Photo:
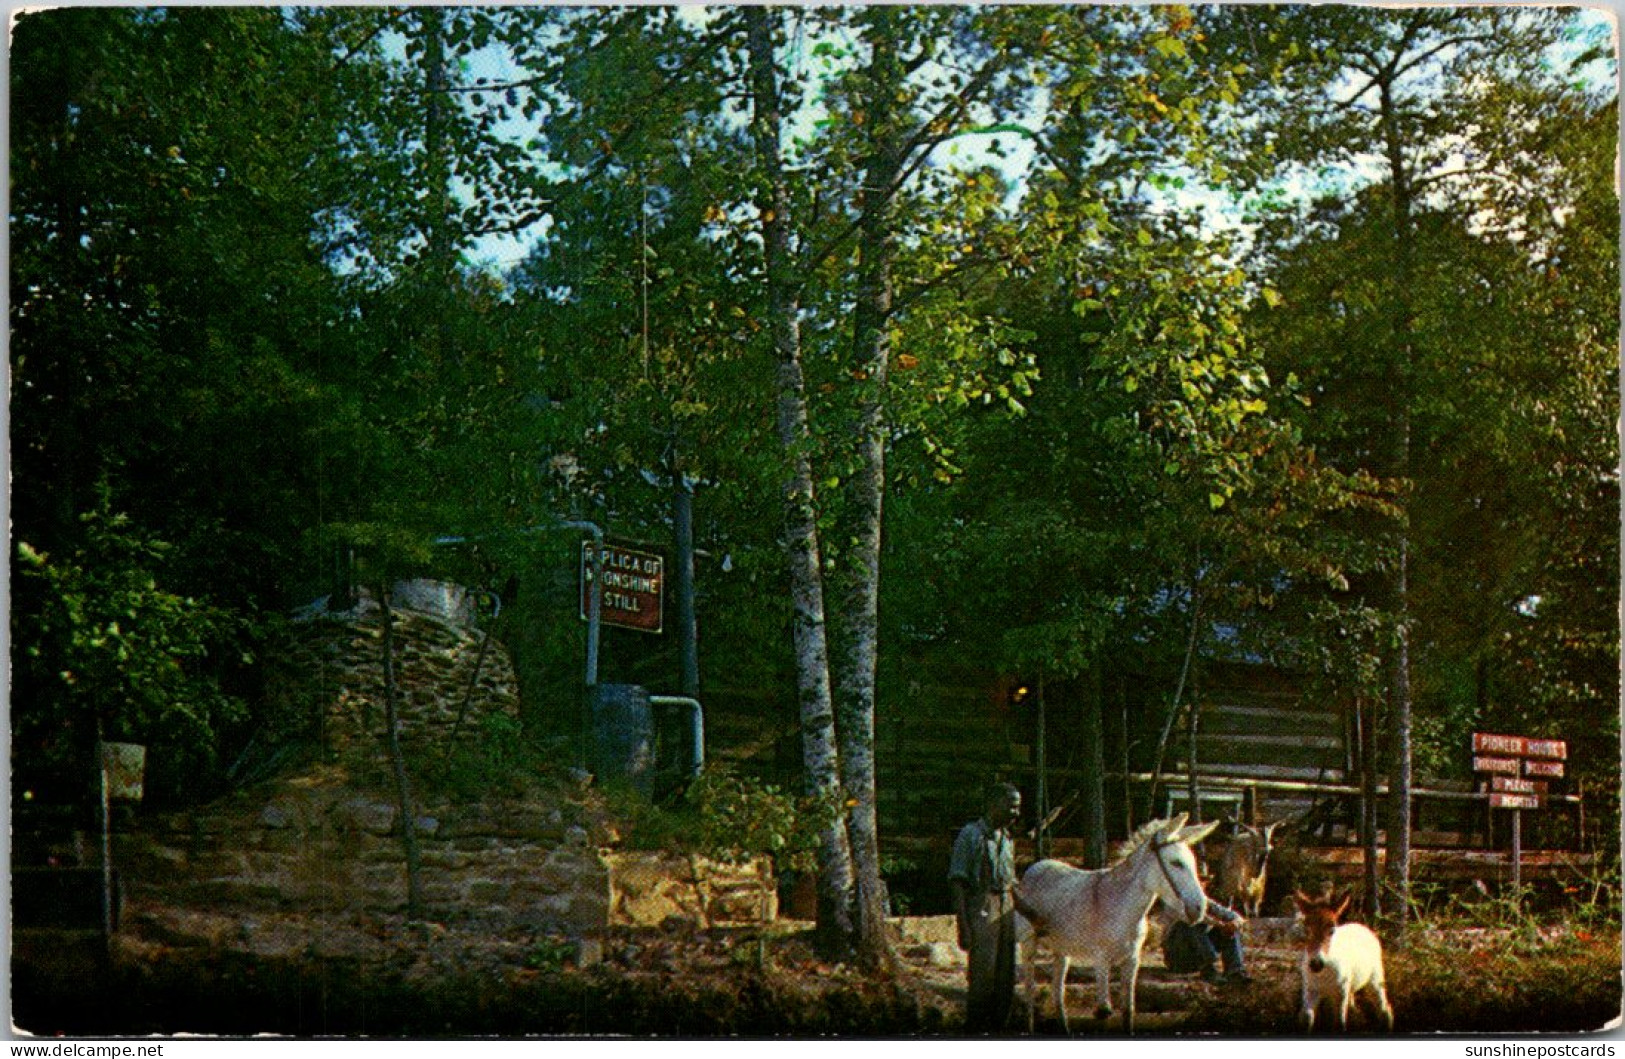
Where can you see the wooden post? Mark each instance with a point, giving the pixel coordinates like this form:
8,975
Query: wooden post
1043,775
1517,852
1128,788
1193,790
107,839
1365,716
1093,790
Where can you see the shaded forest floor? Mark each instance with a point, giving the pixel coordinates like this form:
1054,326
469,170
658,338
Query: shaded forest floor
428,981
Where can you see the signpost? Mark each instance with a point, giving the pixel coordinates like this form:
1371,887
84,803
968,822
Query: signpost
121,774
1509,761
633,589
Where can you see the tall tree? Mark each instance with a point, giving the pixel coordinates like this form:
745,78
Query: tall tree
897,121
819,742
1400,90
169,300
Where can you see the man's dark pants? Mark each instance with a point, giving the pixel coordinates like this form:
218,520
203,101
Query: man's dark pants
991,951
1187,949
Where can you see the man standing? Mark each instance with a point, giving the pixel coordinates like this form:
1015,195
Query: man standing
982,874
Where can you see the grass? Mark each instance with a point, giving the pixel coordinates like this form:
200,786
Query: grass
1475,961
1463,980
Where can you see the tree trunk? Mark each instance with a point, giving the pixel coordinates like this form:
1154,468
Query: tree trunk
820,756
1397,882
688,638
1193,791
1179,693
397,761
1094,771
856,632
440,246
1365,716
1041,769
1124,751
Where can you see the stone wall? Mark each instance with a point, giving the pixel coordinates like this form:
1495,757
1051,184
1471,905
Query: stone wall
324,842
649,889
336,664
318,843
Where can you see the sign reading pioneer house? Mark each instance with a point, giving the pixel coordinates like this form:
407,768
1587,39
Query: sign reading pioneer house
1510,759
633,589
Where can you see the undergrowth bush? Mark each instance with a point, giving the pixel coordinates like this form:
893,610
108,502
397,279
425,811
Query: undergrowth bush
1587,899
725,816
1562,978
1544,960
499,760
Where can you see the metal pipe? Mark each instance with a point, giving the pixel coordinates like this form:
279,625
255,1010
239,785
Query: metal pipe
687,634
595,597
696,728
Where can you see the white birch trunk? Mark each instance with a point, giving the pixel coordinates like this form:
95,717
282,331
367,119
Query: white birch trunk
820,756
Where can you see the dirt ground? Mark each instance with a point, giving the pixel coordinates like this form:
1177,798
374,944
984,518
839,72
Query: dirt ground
176,971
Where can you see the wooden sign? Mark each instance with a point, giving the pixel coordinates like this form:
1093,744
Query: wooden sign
1510,760
1498,744
633,590
1515,785
1510,790
1546,748
125,767
1520,746
1516,801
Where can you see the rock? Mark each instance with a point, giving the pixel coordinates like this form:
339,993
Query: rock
945,955
275,817
589,952
741,906
588,910
926,929
359,814
487,891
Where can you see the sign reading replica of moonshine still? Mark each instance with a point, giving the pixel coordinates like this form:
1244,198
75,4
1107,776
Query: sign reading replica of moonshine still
634,587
